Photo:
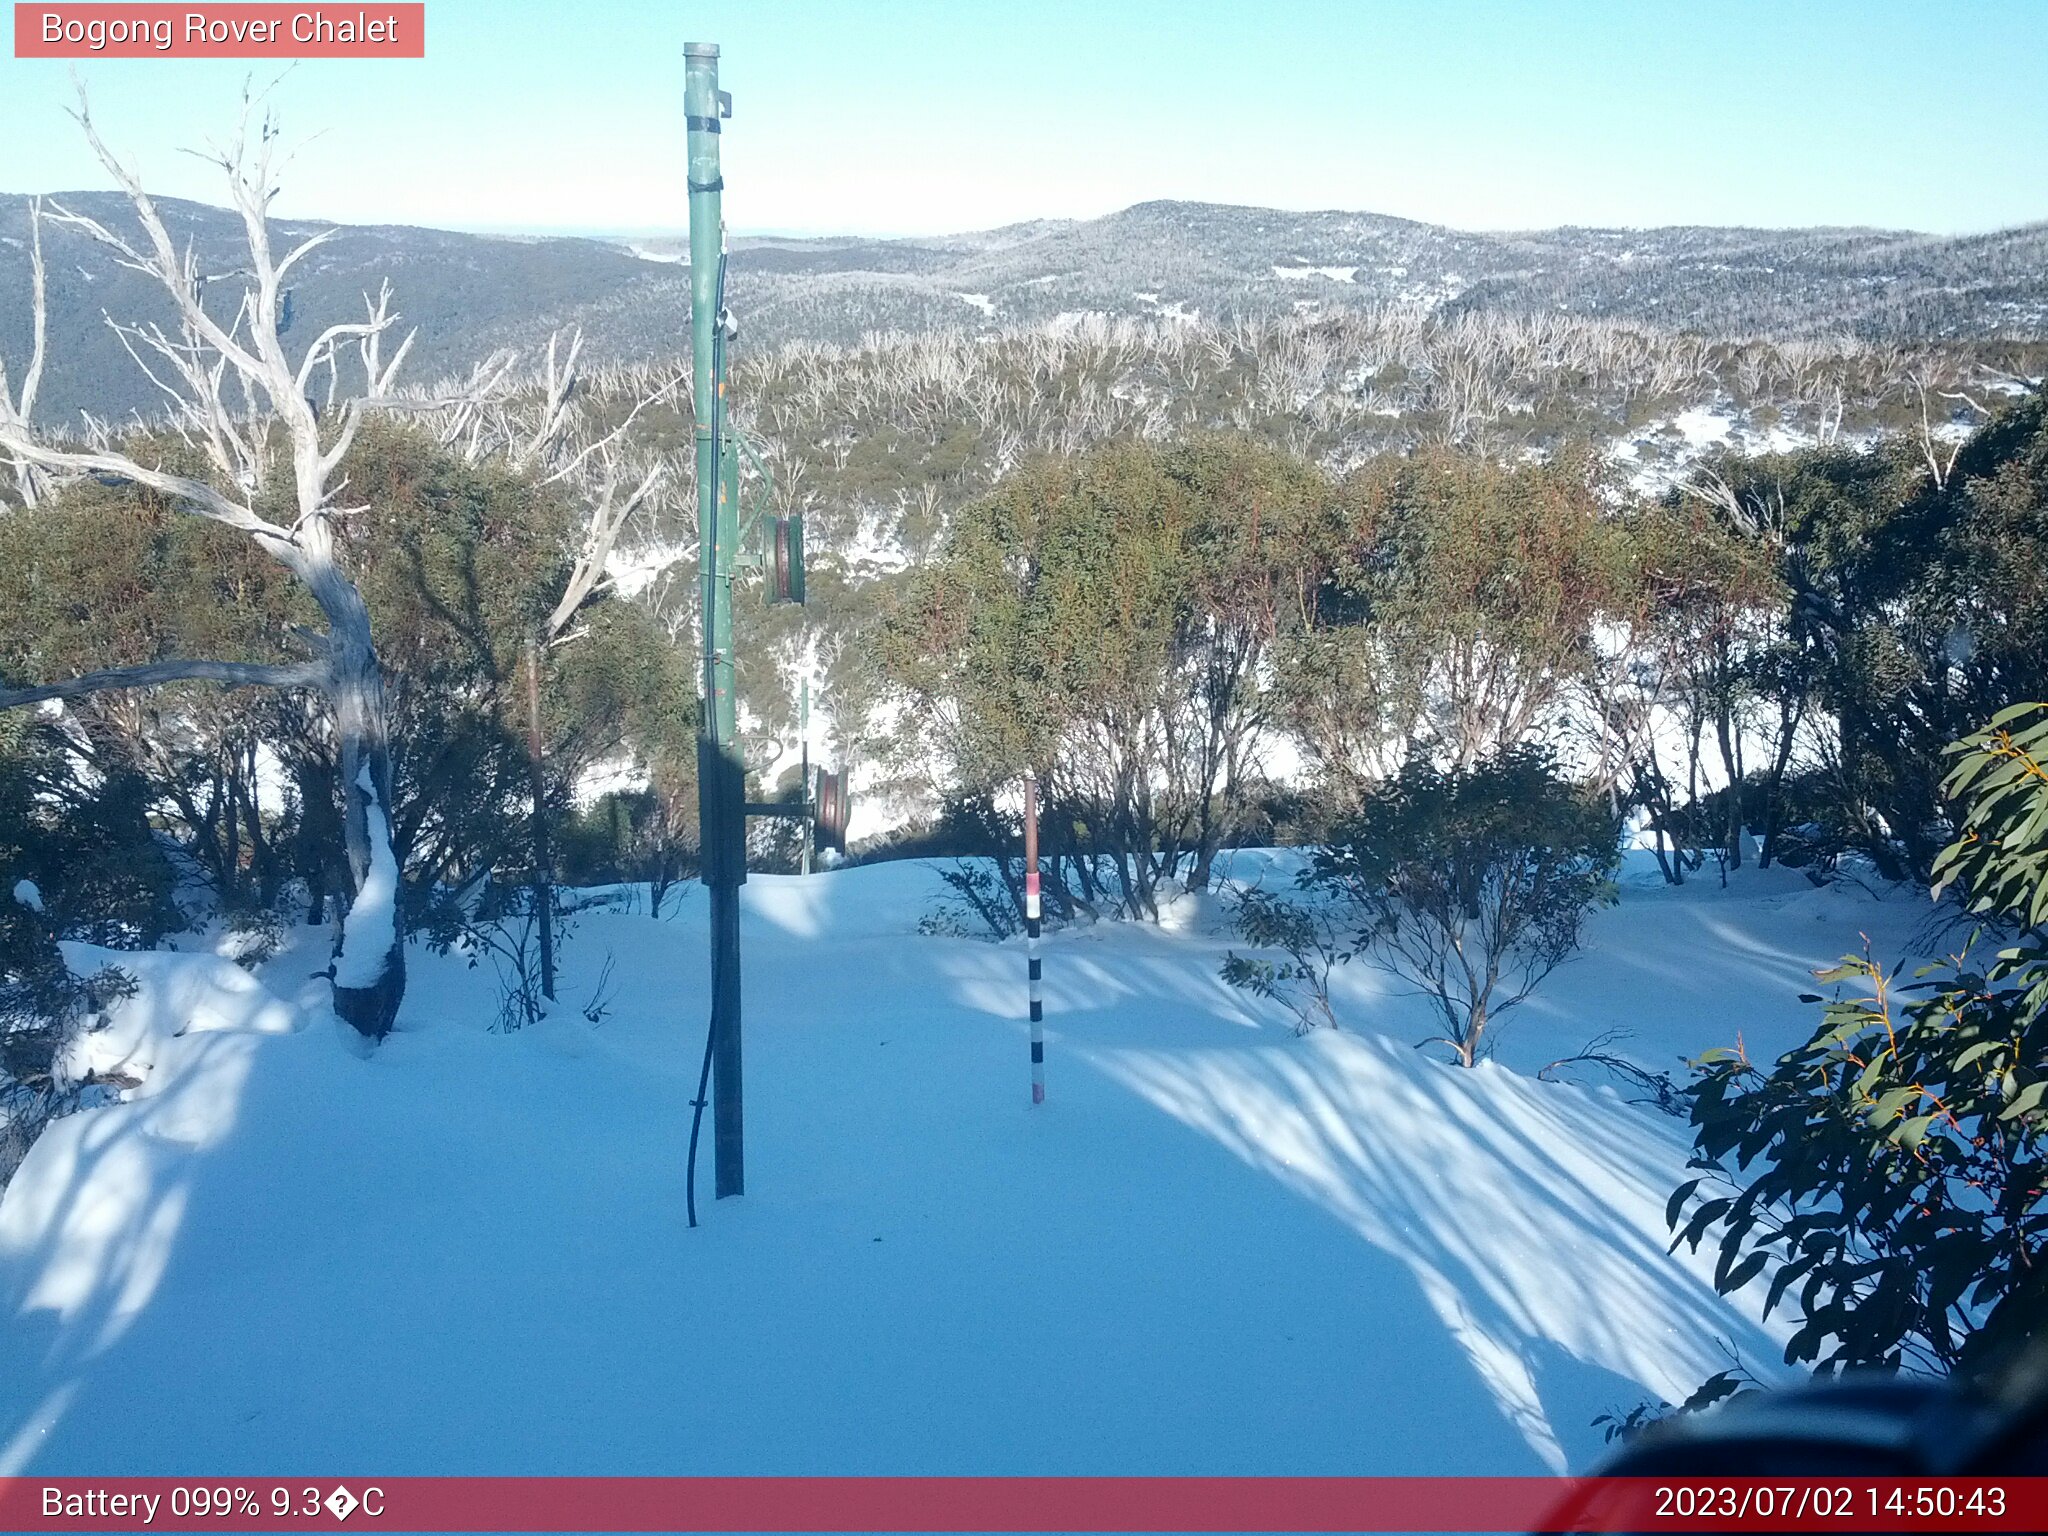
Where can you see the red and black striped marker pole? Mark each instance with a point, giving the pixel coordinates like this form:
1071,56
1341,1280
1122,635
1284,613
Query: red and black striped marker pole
1031,918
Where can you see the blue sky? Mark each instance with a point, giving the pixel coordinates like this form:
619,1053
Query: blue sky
920,116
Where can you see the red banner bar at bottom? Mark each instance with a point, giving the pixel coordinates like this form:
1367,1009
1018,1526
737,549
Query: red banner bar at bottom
1529,1504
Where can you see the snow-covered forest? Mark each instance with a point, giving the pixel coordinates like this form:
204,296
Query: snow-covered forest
1497,775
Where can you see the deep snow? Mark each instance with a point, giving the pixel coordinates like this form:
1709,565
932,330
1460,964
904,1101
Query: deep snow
1219,1248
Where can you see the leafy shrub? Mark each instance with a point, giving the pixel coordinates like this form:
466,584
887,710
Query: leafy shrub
497,921
1895,1166
980,907
1309,934
1618,1424
77,861
36,1023
252,935
1473,885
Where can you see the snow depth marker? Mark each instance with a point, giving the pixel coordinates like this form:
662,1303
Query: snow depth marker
1031,938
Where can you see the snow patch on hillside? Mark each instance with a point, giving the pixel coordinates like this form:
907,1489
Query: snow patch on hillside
1704,426
875,548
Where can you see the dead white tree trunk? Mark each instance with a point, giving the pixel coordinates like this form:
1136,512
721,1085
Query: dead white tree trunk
16,409
196,366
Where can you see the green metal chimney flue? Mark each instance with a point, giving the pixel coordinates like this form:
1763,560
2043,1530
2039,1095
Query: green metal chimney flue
721,773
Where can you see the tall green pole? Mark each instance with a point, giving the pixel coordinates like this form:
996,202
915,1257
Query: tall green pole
721,776
703,106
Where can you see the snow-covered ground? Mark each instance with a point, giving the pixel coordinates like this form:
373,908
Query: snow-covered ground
1219,1248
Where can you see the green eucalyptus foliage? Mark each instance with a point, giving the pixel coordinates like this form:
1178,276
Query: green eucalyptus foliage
1914,610
1308,936
1472,884
92,872
1892,1172
1104,620
110,576
1453,604
458,564
1999,863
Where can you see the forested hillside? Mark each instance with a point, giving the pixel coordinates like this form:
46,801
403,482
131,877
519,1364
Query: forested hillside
471,294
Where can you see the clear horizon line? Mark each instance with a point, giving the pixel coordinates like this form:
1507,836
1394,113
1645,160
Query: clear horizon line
790,232
620,232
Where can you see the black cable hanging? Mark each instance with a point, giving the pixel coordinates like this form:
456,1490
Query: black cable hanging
717,422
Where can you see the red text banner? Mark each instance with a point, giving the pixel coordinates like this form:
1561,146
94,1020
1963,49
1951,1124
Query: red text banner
116,31
1023,1504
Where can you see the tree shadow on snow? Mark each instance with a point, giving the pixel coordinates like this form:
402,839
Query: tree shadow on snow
1530,1215
90,1224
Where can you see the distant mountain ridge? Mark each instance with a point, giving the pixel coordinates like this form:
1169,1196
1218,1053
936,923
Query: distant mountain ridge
471,294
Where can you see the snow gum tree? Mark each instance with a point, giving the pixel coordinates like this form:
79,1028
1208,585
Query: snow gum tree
1702,648
268,458
1908,608
457,564
1459,611
1106,620
1309,936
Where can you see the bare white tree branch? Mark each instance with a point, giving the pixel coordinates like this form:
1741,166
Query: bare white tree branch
236,674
